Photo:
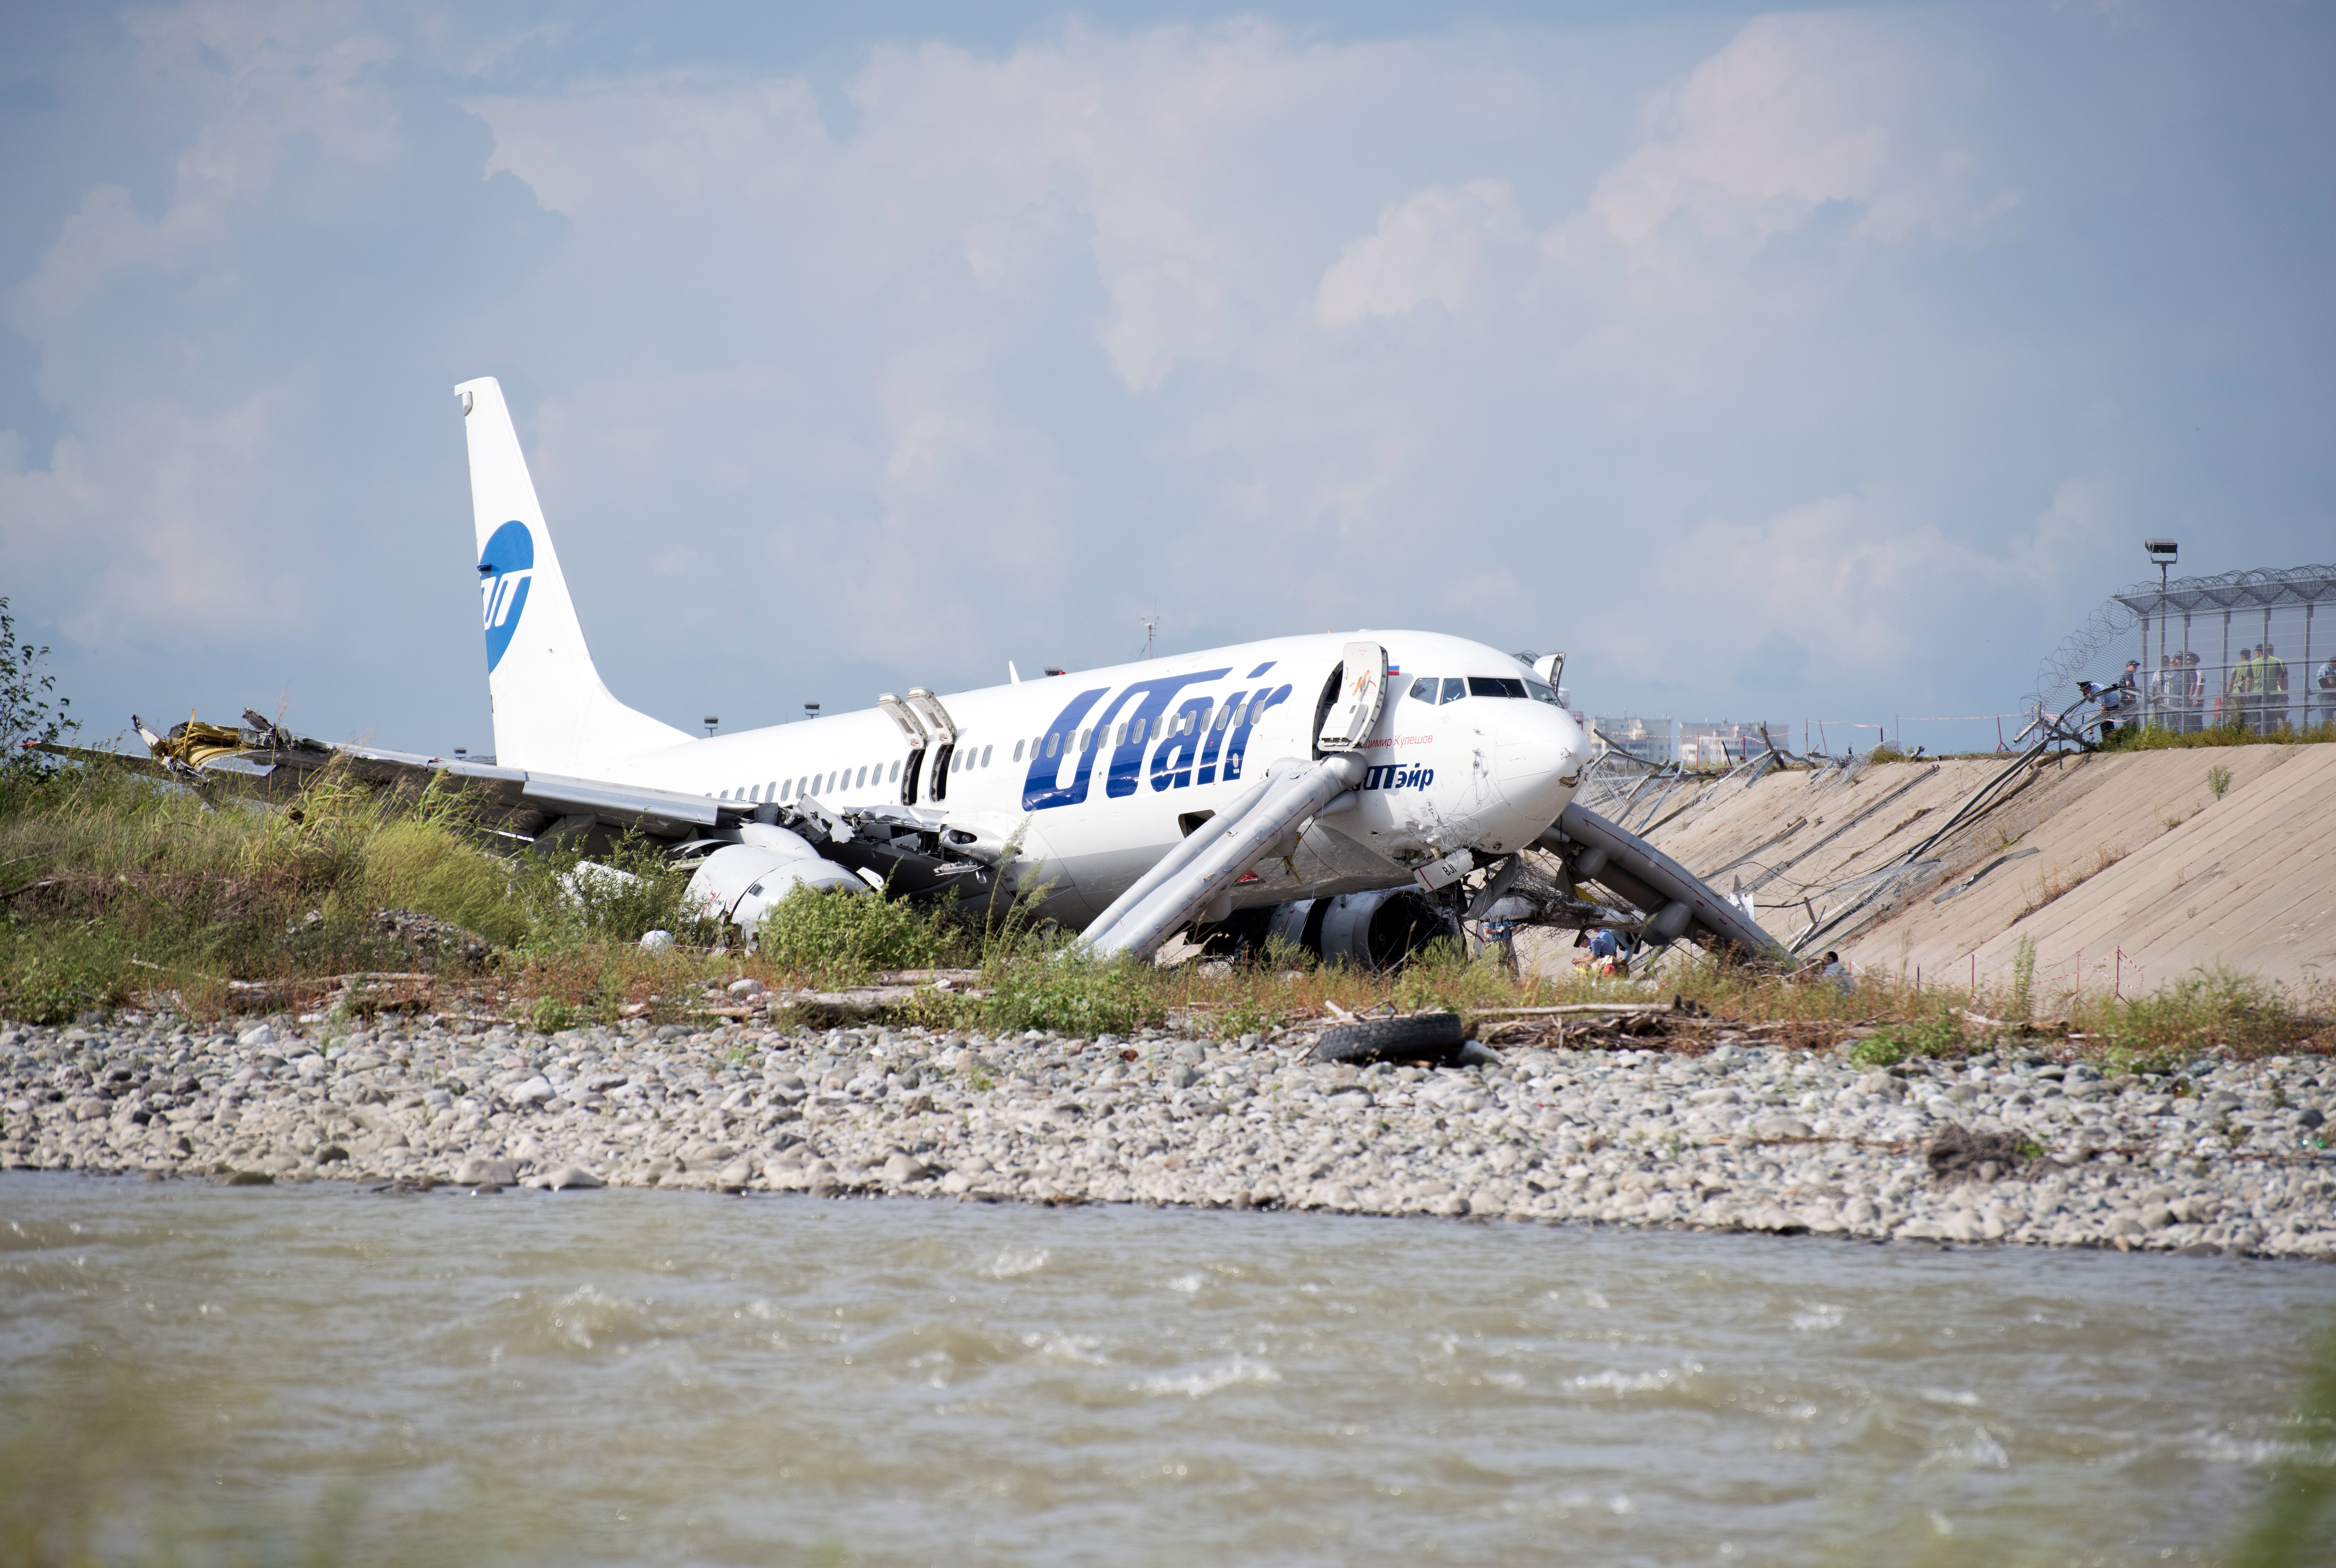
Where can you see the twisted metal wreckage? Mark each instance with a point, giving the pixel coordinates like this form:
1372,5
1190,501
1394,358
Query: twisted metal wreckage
1594,867
1634,793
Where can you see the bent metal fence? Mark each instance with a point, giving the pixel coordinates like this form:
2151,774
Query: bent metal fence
2242,647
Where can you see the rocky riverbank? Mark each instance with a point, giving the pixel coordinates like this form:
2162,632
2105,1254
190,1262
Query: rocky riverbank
2225,1156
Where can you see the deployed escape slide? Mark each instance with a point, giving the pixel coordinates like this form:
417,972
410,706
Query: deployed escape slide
749,856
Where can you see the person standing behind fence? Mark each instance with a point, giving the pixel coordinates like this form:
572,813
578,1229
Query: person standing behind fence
2271,686
2165,693
2239,691
2181,685
2194,690
2325,678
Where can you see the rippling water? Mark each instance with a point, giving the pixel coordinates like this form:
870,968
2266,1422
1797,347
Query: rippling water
637,1377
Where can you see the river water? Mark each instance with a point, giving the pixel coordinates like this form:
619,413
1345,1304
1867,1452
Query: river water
305,1373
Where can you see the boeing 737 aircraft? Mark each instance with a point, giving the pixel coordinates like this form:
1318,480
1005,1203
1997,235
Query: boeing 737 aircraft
1373,755
1356,793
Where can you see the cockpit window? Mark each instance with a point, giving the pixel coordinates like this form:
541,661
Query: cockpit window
1455,688
1540,693
1424,690
1495,685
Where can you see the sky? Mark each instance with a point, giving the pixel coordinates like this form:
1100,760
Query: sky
1824,364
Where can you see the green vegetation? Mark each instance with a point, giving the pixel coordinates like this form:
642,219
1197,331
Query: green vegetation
1076,995
118,884
1937,1036
2021,1002
840,936
29,709
2231,732
114,886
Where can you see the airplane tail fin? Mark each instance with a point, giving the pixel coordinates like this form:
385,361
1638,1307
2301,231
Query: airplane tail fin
551,710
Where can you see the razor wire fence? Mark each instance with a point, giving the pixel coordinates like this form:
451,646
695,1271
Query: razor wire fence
2242,647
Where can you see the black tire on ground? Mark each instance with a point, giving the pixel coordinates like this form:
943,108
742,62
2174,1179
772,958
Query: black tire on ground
1421,1038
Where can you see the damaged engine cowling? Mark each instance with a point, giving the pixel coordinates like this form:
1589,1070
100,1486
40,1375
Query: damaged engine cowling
740,882
748,868
1374,931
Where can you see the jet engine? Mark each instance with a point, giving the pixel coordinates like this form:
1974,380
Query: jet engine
1377,930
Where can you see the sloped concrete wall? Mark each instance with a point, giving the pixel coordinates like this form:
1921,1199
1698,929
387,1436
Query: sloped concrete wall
2140,876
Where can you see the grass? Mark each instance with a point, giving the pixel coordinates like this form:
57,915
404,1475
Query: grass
127,891
2229,733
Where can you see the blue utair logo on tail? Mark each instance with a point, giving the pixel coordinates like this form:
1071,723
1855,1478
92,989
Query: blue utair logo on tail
505,569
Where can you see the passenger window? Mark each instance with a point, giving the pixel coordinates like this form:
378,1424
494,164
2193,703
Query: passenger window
984,756
1455,689
894,775
1054,741
1423,689
1017,751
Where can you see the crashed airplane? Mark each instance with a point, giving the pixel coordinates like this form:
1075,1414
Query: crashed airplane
1359,795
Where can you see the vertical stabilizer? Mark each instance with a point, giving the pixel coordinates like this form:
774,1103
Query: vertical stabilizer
551,711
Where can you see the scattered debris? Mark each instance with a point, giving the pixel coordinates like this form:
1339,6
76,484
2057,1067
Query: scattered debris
1434,1038
1956,1153
434,944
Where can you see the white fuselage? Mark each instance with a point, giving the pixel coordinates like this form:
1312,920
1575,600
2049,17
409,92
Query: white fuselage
1101,771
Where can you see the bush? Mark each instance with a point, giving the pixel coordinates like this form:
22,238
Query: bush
56,987
841,935
2219,1007
1934,1036
619,896
1442,976
1075,995
27,713
424,866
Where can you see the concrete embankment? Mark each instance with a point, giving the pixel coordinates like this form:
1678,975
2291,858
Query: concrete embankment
2225,1157
2127,871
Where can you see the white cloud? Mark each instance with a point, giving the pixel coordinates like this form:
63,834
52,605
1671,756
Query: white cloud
1433,245
158,522
1861,582
1795,114
1459,331
273,80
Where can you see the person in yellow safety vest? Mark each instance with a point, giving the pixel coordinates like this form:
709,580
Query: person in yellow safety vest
2270,688
2240,691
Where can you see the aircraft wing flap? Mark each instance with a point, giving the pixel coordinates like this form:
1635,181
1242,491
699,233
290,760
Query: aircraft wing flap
621,803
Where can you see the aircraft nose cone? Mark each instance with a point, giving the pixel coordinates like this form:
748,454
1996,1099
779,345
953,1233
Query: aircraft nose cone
1537,756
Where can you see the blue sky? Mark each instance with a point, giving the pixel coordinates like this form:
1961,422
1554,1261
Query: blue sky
1818,364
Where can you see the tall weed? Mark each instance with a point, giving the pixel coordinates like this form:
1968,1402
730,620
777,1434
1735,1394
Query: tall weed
838,936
